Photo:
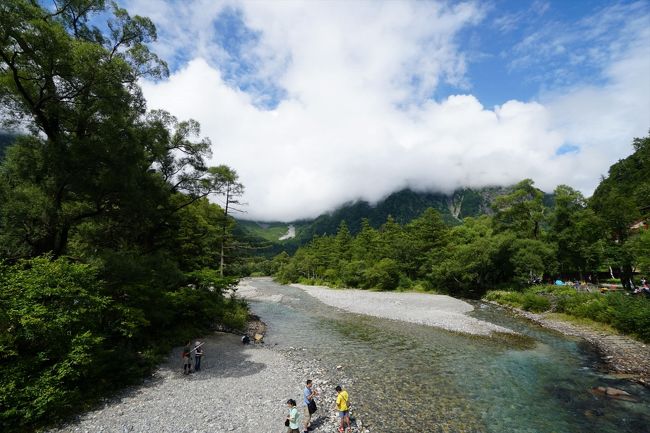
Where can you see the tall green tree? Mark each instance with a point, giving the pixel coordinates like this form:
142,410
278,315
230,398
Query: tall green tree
76,89
521,211
230,189
578,233
621,200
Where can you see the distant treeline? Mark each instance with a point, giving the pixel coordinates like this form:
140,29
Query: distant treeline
108,244
522,242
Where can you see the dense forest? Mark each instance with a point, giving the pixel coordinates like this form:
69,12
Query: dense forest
523,240
110,252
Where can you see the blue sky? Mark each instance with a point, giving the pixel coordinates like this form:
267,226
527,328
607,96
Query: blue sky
338,100
500,64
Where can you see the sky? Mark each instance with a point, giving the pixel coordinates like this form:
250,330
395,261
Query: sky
319,103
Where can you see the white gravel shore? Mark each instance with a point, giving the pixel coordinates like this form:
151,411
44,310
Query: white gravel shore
433,310
239,389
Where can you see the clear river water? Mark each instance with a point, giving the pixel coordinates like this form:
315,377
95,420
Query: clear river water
415,378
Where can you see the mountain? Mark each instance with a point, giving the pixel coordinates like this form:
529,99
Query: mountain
403,206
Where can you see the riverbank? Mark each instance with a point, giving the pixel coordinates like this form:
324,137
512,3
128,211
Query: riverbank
240,388
622,356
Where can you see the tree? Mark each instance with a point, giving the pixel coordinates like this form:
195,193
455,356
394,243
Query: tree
226,179
521,211
620,200
475,259
93,154
77,91
426,236
577,232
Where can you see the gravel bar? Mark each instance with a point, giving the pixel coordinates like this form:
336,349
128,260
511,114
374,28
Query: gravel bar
426,309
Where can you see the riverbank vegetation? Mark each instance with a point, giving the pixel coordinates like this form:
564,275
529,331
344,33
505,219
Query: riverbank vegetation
109,247
624,312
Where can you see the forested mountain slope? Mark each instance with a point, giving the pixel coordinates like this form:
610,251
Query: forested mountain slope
403,206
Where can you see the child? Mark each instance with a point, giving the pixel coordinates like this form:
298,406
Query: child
187,359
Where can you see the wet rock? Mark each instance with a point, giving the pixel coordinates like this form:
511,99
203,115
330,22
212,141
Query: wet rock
614,393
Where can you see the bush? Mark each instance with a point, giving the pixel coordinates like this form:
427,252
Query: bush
383,275
512,299
630,315
535,303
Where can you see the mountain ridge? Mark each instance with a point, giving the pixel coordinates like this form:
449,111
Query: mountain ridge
403,206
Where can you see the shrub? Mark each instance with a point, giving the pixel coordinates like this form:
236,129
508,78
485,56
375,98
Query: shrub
535,303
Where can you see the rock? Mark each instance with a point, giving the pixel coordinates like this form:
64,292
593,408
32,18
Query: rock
338,367
615,392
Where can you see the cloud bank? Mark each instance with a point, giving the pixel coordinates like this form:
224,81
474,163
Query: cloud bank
319,103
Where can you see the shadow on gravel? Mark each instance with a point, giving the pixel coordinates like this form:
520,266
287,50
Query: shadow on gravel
225,356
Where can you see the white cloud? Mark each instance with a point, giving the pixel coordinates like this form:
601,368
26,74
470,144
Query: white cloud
356,124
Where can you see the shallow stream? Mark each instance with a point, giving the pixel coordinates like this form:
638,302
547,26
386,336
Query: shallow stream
414,378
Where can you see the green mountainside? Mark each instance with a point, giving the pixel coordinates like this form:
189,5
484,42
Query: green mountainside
403,206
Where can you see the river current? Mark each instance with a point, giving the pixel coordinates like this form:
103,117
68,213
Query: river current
415,378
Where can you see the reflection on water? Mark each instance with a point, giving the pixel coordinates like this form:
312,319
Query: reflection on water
414,378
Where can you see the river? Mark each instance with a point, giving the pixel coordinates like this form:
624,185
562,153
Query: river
414,378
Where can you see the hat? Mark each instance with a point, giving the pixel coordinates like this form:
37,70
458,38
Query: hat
197,343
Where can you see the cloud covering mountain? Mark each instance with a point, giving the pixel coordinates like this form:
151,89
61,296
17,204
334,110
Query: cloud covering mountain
319,103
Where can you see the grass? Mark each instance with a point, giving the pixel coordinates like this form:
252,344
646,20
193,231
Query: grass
582,321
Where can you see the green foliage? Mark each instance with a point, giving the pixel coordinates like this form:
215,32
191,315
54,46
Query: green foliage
627,313
120,190
531,258
639,247
535,303
54,326
383,275
269,231
521,211
620,200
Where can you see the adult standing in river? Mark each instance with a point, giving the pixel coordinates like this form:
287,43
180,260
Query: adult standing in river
343,407
310,405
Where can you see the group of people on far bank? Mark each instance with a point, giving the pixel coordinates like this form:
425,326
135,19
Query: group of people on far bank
293,421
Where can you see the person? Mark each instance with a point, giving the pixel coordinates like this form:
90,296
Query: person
198,354
245,339
292,417
343,407
308,395
186,354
